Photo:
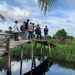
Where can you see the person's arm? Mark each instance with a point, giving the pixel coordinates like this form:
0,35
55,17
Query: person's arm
18,29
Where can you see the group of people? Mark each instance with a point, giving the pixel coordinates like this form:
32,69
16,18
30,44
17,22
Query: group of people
29,29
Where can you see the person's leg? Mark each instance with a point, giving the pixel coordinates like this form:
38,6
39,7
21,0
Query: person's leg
40,36
14,36
29,35
44,37
37,36
17,36
26,35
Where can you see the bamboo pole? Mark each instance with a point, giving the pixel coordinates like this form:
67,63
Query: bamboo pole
33,66
9,57
21,60
49,48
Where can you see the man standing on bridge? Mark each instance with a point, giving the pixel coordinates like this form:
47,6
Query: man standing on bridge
16,31
45,32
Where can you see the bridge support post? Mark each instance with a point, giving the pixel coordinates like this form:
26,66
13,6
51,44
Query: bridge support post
21,60
9,56
49,48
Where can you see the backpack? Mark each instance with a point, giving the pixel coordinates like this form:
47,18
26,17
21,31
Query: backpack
22,28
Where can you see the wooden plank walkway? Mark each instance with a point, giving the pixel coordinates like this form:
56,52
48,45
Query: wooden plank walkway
12,45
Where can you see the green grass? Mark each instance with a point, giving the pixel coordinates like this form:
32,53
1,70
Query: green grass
61,52
3,62
64,52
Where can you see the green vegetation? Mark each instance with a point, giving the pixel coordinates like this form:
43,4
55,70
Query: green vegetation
3,62
62,34
65,52
62,52
46,4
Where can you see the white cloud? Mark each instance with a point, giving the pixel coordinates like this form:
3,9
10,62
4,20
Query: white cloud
14,13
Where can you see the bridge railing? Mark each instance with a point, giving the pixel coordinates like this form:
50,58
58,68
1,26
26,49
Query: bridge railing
4,41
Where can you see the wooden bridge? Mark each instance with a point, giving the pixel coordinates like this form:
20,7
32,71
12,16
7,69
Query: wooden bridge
7,45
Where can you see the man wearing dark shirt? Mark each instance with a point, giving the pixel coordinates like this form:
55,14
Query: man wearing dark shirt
26,29
45,32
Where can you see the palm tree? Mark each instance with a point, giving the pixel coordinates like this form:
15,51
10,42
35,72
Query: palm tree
46,4
2,17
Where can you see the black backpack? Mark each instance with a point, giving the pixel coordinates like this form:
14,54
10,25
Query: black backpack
22,28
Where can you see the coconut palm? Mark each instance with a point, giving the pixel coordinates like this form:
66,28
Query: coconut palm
46,4
2,17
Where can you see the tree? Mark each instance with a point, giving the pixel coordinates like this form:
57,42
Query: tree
2,17
46,4
10,28
61,34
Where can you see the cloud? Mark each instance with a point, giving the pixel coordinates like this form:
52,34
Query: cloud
14,13
71,3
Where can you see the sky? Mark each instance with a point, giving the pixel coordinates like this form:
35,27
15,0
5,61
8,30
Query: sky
62,15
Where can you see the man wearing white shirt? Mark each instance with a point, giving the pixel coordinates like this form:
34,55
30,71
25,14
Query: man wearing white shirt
30,31
16,31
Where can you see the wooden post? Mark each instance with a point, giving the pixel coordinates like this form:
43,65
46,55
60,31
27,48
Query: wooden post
31,57
33,66
9,56
21,59
41,48
49,48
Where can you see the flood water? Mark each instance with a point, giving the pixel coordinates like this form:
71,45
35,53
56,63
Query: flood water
54,69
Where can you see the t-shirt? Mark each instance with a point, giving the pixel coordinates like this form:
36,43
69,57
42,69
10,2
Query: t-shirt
38,30
16,28
30,27
26,25
46,31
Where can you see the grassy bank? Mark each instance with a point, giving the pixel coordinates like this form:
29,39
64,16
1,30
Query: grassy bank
62,52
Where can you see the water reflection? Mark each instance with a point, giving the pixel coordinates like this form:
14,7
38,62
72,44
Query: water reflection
55,69
15,67
58,70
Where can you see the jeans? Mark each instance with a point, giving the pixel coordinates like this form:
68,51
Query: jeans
30,35
16,36
38,35
45,36
26,35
